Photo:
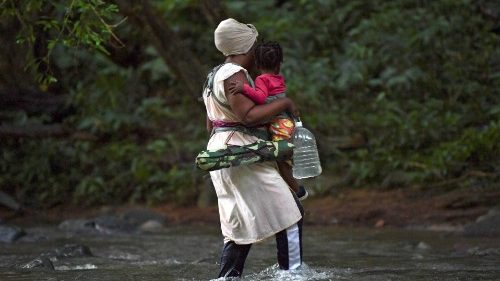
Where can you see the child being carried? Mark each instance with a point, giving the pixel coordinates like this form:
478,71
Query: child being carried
270,85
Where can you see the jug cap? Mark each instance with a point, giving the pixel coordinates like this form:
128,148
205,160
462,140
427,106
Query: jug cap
298,123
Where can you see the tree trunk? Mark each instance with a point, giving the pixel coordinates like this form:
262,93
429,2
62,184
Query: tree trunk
182,61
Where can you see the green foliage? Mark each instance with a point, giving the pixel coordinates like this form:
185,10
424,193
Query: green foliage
75,24
50,172
473,146
419,79
410,75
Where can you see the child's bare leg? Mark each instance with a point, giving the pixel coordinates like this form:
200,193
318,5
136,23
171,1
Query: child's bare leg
286,172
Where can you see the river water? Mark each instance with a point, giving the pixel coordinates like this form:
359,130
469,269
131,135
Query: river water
192,253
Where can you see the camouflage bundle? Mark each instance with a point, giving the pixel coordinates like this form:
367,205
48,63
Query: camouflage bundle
234,155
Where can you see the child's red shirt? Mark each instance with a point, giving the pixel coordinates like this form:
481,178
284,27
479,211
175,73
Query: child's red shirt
265,85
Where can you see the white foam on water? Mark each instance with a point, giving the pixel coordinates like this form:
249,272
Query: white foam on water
124,256
76,267
158,262
274,273
303,273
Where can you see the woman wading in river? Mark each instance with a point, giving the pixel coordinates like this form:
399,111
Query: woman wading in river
254,201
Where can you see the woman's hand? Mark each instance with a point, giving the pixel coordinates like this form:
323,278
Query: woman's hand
235,87
292,108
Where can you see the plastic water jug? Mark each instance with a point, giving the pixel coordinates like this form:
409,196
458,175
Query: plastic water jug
305,154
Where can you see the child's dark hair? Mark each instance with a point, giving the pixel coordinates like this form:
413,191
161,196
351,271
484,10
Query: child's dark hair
268,55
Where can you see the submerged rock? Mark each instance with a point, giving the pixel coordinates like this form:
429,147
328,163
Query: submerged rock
9,234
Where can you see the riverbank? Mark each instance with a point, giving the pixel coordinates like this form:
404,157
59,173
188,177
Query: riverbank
408,207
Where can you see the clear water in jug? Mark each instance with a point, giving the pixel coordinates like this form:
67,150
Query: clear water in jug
305,154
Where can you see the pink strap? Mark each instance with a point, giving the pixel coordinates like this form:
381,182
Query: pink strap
220,124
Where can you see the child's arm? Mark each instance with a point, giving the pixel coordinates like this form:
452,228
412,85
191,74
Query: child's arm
257,95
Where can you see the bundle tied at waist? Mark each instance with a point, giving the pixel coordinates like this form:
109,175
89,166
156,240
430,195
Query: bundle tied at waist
236,155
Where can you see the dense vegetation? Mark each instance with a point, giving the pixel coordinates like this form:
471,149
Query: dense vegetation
99,99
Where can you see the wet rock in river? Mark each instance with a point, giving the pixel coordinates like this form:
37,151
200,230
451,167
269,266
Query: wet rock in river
108,224
113,224
70,251
45,260
477,251
151,226
32,237
140,216
78,226
9,234
487,225
39,262
131,221
415,246
9,202
423,246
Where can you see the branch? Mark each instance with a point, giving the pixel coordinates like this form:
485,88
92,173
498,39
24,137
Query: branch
109,27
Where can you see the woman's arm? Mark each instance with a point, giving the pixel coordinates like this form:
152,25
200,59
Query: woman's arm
247,111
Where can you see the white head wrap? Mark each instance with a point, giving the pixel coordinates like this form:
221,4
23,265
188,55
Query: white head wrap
234,38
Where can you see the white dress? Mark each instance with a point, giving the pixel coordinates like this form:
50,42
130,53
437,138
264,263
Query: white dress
254,201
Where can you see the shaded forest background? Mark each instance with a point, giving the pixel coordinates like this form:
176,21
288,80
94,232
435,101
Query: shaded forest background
99,100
